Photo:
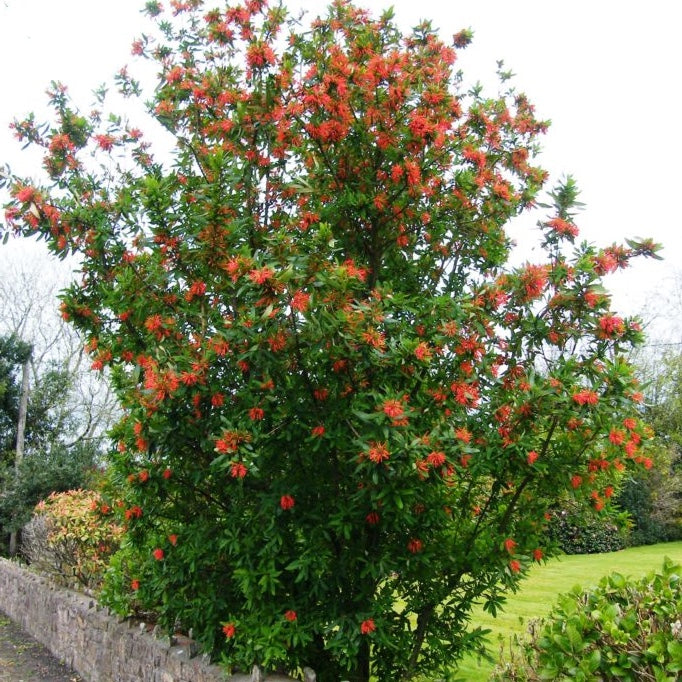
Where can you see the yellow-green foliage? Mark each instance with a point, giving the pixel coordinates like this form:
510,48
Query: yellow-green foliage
71,537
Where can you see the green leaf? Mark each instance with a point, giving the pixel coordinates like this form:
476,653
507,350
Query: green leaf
594,660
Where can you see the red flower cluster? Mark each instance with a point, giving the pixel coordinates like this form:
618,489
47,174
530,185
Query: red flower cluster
378,452
287,502
585,397
563,227
510,545
415,545
611,326
367,626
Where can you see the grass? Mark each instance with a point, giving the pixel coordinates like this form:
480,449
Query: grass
539,593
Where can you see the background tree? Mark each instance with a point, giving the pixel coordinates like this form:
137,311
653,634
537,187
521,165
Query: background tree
653,498
51,460
69,407
13,354
346,417
30,284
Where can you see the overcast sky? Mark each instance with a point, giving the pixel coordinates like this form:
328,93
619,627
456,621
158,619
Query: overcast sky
606,72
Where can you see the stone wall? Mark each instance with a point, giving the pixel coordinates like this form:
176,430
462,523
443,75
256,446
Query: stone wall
95,643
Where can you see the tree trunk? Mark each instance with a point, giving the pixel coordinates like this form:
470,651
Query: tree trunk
21,428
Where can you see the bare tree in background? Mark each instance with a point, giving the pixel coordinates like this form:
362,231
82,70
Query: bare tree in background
30,283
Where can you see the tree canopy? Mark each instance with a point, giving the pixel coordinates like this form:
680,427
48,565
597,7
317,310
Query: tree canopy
346,415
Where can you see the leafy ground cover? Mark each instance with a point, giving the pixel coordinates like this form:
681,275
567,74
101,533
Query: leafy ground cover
546,582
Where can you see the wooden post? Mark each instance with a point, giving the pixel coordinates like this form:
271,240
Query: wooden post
21,429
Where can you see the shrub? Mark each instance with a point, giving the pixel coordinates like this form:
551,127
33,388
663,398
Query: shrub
71,537
622,630
580,530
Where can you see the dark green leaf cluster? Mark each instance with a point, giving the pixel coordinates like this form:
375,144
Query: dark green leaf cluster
577,529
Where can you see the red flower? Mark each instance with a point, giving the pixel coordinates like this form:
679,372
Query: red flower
135,584
415,545
237,470
300,301
175,74
286,502
229,629
25,194
290,615
510,545
534,280
133,512
463,434
372,518
143,476
591,298
378,452
261,276
537,554
436,459
278,341
585,397
196,289
563,227
173,539
167,473
610,326
617,437
367,626
259,56
256,413
630,423
532,457
105,142
318,431
576,481
189,378
393,408
224,445
229,442
419,126
158,554
515,566
374,338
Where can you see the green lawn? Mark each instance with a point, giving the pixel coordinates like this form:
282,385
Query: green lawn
539,592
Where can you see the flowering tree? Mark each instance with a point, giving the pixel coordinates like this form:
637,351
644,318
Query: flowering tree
346,416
